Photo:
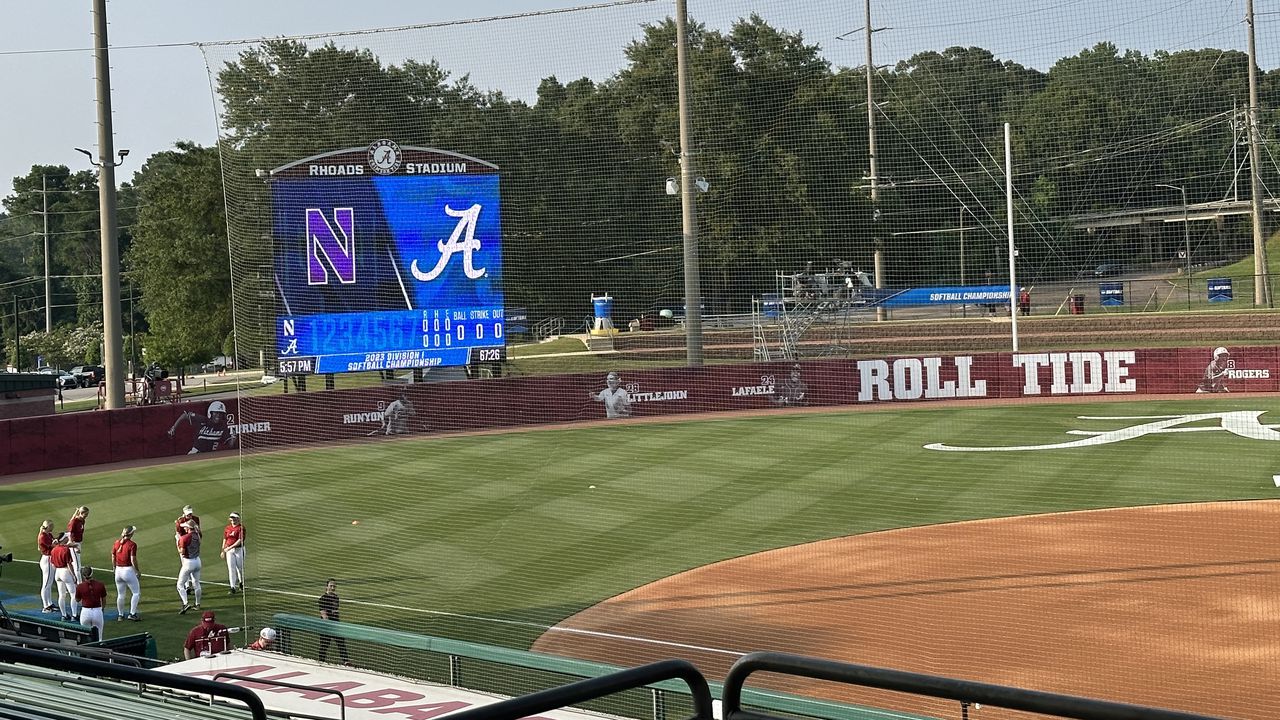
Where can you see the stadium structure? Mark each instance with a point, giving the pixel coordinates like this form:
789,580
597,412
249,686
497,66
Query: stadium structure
737,360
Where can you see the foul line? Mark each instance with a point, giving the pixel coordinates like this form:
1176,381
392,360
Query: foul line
461,616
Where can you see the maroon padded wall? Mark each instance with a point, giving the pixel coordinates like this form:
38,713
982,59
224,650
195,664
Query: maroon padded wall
79,439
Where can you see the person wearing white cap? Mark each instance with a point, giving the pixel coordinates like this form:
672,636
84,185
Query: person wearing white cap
124,554
188,515
266,640
189,551
233,551
1215,375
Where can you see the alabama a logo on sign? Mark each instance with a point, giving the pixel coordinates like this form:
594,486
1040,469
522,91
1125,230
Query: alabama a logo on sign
1241,423
385,157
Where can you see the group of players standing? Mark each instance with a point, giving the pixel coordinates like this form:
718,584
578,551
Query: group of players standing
81,596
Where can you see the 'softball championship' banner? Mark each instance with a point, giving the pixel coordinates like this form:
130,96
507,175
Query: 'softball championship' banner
71,440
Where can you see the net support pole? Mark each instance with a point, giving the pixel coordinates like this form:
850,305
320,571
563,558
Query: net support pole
1261,278
112,326
1013,253
688,186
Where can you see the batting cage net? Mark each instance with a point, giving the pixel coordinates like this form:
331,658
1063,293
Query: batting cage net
608,336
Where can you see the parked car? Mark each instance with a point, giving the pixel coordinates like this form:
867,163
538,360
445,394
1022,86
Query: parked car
88,375
1109,270
218,364
66,380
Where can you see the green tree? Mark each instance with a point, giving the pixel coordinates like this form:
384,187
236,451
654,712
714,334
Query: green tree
179,257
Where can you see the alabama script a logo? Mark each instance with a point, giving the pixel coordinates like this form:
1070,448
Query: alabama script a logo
332,246
462,240
1241,423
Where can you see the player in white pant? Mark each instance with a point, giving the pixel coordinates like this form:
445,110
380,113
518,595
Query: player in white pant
91,594
64,574
233,551
75,530
44,544
189,551
125,556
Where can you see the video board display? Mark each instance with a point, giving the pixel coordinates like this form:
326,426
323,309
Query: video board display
386,258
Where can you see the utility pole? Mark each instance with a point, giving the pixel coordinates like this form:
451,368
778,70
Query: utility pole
112,330
964,308
876,240
48,294
17,335
1261,279
689,222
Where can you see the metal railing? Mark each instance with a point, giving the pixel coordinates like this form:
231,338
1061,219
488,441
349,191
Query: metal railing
599,687
963,691
98,669
342,699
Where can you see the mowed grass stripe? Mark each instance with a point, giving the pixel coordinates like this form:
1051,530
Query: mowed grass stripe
507,526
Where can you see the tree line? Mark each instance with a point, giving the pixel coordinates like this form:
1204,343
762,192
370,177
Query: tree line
779,133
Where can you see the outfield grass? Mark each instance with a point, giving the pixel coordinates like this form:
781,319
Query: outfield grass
507,529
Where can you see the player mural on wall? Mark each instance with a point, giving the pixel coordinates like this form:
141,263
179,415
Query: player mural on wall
395,417
1217,372
213,430
617,403
791,392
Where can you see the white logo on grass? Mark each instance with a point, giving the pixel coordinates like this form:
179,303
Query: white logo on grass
1241,423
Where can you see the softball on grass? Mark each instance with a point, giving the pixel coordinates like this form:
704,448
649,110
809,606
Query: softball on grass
355,522
591,487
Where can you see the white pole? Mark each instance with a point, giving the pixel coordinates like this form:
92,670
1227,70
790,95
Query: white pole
1008,200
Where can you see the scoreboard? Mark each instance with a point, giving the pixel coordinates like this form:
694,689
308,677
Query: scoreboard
386,257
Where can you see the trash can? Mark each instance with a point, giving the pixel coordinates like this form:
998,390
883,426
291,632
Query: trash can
1077,304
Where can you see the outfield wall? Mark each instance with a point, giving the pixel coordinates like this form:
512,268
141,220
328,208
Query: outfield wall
89,438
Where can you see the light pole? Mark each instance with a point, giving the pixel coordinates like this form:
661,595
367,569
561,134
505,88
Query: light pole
964,307
1186,235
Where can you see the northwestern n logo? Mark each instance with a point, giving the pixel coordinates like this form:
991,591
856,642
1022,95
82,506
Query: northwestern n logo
330,248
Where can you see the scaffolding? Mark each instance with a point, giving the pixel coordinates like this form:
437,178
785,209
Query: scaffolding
834,299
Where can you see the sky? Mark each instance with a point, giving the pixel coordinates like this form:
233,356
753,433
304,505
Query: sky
161,89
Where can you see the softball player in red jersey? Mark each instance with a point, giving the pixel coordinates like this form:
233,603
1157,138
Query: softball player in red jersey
233,551
189,551
44,543
90,594
125,556
60,558
75,529
188,515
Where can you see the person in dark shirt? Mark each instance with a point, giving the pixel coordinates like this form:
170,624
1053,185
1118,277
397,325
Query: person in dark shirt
329,610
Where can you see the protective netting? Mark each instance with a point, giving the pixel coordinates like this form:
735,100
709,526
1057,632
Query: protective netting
443,230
